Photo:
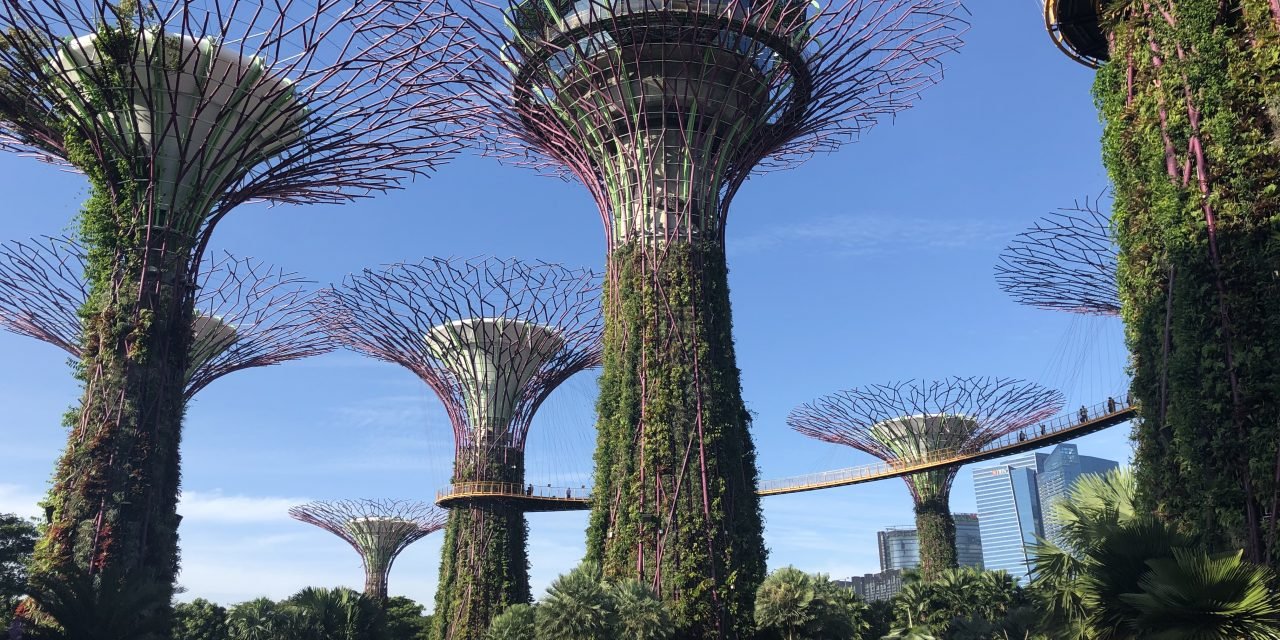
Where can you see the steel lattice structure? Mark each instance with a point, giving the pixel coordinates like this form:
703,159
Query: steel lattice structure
678,133
1066,262
377,529
912,420
177,112
662,108
249,314
493,338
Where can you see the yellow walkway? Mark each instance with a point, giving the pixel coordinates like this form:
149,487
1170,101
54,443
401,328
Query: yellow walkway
1061,429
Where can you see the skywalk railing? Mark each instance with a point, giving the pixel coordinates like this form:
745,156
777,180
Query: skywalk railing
513,490
1084,420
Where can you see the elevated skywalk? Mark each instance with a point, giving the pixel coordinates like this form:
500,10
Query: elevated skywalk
1084,421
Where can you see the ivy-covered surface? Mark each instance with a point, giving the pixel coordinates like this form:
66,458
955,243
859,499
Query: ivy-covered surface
674,502
115,490
936,532
1189,105
114,493
484,566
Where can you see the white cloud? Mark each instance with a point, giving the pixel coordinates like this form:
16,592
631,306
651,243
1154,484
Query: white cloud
19,500
870,234
213,507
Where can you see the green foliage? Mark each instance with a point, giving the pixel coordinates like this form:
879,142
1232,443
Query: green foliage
104,607
936,531
1122,575
674,458
405,619
640,614
484,569
577,607
1190,147
199,620
961,603
17,541
337,614
516,623
1198,596
793,605
581,605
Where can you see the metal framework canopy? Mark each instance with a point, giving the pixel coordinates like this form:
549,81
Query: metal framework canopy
377,529
493,338
912,420
1066,262
248,314
212,103
663,107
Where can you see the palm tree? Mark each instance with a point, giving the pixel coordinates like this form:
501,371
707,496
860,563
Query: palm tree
640,614
576,607
783,603
105,607
514,623
1116,574
1194,596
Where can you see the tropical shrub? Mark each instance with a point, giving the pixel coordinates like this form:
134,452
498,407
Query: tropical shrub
793,605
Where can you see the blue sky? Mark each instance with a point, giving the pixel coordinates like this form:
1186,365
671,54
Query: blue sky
872,264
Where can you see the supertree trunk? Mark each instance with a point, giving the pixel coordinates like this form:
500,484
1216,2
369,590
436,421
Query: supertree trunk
936,532
115,490
675,464
1191,147
485,560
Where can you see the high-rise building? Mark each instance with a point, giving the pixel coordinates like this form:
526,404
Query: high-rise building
1058,472
900,546
1014,497
969,540
1009,512
875,586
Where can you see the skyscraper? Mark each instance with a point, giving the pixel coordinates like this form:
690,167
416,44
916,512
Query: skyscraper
1058,472
1009,512
1014,498
900,546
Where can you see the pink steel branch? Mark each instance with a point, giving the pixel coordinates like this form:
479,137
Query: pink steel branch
990,408
396,314
42,289
1066,262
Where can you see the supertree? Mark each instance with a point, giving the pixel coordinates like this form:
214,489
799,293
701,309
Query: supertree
1066,262
1189,94
662,109
377,529
912,420
178,112
248,314
493,338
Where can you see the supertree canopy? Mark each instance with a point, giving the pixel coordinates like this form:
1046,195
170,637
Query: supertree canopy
248,314
1190,101
1066,262
377,529
493,338
177,112
913,420
662,108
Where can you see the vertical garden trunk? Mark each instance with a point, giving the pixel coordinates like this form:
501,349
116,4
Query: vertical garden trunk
675,501
936,533
484,565
115,490
1191,147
